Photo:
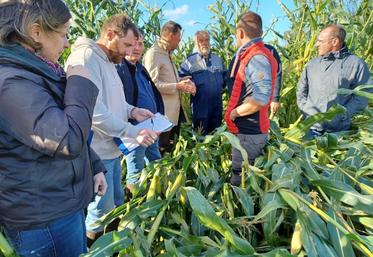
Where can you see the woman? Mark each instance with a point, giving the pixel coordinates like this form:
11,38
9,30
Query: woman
46,165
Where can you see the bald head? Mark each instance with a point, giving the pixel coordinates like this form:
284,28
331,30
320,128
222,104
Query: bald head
330,39
336,31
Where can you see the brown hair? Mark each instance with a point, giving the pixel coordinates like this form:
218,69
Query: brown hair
170,27
16,17
120,24
251,23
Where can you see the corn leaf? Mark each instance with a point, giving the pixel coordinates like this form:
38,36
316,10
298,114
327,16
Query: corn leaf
204,212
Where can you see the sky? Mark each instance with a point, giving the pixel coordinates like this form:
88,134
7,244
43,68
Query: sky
194,15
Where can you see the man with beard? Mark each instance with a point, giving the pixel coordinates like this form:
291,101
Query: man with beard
208,74
111,112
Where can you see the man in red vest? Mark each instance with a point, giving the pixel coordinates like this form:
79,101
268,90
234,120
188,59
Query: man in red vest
254,71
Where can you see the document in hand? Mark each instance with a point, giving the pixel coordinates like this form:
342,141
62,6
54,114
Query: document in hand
158,123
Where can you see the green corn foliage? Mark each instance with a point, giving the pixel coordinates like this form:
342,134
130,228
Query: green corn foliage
183,204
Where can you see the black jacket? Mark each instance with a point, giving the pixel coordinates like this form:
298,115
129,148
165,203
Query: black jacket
45,162
126,71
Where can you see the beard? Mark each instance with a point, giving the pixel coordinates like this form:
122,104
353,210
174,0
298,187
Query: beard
115,56
205,51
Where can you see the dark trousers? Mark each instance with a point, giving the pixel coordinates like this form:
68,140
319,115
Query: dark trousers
207,125
167,139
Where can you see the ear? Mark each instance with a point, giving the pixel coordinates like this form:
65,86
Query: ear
240,33
110,35
35,32
335,42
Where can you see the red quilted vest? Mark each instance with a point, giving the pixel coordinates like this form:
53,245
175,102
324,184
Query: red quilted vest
255,49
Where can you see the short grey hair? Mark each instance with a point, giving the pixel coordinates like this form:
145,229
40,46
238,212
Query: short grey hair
200,33
16,17
337,31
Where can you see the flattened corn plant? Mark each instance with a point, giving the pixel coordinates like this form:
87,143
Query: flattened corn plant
302,198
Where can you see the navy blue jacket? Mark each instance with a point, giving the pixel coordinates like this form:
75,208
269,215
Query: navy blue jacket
209,77
126,71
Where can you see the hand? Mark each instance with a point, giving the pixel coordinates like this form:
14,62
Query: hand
146,137
186,86
100,185
185,78
78,70
233,114
140,114
274,107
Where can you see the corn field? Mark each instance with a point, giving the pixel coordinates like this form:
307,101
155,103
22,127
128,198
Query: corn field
301,198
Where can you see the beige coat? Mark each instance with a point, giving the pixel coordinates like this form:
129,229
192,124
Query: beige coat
164,74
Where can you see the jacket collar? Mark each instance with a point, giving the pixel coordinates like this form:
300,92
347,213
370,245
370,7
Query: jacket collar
340,54
244,47
17,55
163,45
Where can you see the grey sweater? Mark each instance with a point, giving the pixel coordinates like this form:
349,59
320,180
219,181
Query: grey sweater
322,77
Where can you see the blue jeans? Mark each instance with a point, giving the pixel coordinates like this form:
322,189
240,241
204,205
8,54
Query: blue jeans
312,134
137,158
114,196
63,237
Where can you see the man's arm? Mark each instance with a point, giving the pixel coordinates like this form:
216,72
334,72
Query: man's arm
278,81
154,69
358,103
103,119
258,73
184,69
302,91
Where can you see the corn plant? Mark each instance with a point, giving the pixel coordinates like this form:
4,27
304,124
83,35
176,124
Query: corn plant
301,198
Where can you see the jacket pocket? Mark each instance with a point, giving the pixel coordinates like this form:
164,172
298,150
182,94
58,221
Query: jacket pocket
77,168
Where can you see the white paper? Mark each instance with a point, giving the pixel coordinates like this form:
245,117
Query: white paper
157,123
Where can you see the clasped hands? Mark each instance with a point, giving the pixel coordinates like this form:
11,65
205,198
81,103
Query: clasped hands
186,85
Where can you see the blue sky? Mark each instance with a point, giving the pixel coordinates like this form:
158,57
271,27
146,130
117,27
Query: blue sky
194,15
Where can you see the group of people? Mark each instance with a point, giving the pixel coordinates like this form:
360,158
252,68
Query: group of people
60,128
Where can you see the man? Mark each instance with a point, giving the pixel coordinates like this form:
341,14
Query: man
141,92
335,68
275,104
251,94
158,62
208,74
111,112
